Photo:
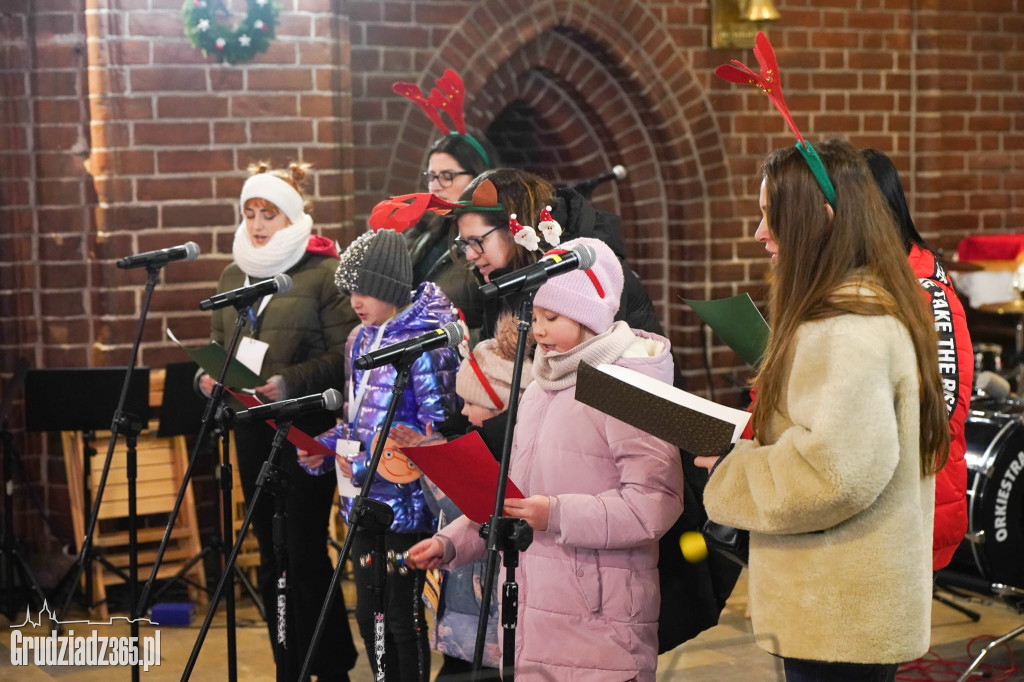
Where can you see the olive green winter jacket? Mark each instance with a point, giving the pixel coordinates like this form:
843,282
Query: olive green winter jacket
306,328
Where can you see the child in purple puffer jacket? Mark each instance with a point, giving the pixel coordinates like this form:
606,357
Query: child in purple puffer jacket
377,273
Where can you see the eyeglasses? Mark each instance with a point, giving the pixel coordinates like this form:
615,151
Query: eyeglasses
445,178
476,242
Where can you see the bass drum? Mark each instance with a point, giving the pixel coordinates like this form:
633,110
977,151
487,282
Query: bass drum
994,545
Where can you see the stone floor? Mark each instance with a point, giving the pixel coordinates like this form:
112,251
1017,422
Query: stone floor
726,652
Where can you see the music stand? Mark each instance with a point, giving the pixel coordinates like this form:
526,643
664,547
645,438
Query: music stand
83,399
181,410
181,413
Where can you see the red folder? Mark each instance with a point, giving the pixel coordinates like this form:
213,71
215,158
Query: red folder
466,471
300,439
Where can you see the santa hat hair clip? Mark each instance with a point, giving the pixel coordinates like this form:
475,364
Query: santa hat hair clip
549,227
448,97
769,82
524,235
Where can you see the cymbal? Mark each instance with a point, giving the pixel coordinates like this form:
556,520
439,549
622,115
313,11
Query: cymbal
962,266
1014,307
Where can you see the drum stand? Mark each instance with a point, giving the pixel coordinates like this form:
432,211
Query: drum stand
1003,591
973,615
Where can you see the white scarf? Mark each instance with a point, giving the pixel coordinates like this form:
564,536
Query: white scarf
282,251
285,247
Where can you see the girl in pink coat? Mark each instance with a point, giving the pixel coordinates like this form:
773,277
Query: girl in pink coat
599,494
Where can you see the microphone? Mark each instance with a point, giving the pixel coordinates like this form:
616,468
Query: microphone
993,385
187,251
579,257
587,187
246,296
290,409
446,337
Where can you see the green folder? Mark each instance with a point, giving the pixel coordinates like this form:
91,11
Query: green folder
738,322
211,358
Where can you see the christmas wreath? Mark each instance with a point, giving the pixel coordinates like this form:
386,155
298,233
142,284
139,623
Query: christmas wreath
239,44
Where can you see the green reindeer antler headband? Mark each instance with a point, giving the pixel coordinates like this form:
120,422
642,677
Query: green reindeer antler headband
769,81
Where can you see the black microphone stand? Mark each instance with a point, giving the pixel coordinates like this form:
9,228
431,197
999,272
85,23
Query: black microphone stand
505,534
273,480
131,426
212,405
12,554
371,516
225,476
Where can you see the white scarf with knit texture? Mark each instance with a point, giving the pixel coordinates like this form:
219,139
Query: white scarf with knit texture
282,251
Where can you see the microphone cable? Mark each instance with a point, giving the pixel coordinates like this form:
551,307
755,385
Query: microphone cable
934,668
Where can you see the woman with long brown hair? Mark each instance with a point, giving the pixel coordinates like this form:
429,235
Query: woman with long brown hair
837,487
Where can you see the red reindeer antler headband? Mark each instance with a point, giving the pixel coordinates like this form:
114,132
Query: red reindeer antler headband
447,97
400,212
771,84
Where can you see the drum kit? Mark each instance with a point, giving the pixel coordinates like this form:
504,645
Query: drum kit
990,559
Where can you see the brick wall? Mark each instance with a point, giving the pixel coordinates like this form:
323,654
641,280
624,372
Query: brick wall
122,138
119,137
590,84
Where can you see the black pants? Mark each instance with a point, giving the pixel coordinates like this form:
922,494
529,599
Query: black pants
799,670
309,505
457,670
406,648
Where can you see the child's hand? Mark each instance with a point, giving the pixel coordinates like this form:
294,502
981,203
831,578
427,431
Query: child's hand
344,464
534,510
706,462
406,437
425,554
311,461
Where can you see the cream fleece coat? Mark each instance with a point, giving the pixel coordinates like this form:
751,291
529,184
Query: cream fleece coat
839,515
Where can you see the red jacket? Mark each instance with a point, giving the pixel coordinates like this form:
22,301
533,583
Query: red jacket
956,363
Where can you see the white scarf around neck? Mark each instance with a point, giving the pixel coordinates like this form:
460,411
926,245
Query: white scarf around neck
282,251
285,247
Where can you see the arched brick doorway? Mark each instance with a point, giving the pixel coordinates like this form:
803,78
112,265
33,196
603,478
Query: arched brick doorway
600,85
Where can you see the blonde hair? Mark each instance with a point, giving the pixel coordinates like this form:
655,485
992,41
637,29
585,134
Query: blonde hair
818,255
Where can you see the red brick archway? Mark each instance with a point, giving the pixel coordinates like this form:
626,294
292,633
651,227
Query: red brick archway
615,88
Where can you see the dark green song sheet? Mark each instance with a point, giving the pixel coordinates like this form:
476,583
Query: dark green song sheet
211,358
737,322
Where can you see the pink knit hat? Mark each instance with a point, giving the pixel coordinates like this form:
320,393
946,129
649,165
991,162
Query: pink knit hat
589,297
